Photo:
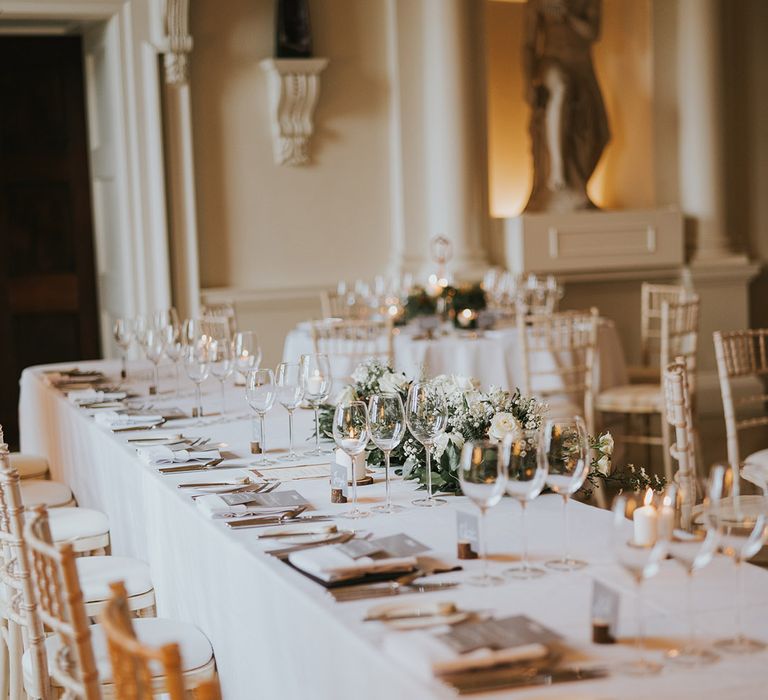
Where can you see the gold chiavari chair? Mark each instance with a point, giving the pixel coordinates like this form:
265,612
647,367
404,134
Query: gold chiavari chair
557,355
78,659
134,664
679,338
28,466
348,343
743,354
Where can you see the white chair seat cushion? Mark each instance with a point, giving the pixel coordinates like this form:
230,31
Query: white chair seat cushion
758,458
153,631
631,398
29,466
96,573
72,523
35,492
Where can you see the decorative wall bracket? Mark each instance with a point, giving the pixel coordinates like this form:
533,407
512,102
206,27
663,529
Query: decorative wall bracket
294,86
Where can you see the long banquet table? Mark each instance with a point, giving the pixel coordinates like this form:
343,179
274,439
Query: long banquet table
277,634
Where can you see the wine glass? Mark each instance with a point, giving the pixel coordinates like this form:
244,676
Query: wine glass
260,393
222,366
164,318
197,363
739,511
290,394
426,414
566,449
526,477
483,476
122,331
154,347
173,351
693,544
350,431
386,417
141,326
640,541
247,352
191,330
316,384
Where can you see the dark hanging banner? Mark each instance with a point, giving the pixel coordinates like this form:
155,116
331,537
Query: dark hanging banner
293,29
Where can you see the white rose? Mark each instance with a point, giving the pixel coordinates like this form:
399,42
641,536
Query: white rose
606,444
360,374
604,465
392,383
503,424
346,395
463,383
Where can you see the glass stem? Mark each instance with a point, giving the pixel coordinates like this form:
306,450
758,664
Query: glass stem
566,535
386,480
290,433
524,536
199,400
263,439
124,369
640,635
740,602
429,472
223,398
354,485
178,380
317,430
483,543
157,378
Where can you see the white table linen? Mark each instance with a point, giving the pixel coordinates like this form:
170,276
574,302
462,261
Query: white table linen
276,634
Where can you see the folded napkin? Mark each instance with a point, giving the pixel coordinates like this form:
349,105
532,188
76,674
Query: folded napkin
157,455
429,656
333,564
92,396
309,528
113,419
214,506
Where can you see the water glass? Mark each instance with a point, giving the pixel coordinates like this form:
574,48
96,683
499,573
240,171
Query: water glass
386,417
222,366
122,331
350,431
197,363
247,352
154,347
316,382
260,393
290,395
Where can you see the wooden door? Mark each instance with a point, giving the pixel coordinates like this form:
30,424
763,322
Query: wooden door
48,309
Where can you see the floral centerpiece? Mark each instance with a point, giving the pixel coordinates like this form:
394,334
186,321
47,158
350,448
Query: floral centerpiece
472,414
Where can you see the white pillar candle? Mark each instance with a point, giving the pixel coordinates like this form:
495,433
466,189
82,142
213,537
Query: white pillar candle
666,524
645,521
315,384
343,458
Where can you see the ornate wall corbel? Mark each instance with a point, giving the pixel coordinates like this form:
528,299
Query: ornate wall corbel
179,42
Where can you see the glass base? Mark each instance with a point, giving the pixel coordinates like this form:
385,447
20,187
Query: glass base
356,514
740,645
691,655
429,502
290,457
565,564
640,667
262,463
485,580
523,571
388,509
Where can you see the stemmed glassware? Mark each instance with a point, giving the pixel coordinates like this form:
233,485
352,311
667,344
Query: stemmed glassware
526,477
222,366
289,394
247,352
154,347
640,541
483,476
739,511
566,449
350,431
173,351
197,363
386,417
260,393
122,332
316,384
426,414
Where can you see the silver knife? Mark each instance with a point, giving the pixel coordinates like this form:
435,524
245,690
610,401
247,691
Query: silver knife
514,676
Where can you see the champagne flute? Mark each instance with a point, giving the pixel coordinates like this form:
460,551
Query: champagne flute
566,449
247,352
222,366
526,477
350,431
316,382
260,393
154,347
426,414
197,363
290,394
122,332
739,511
483,476
640,542
386,417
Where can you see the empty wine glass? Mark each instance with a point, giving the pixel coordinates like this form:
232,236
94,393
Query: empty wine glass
426,414
247,352
316,382
386,417
526,477
141,325
165,317
122,332
739,511
693,544
483,476
173,351
222,366
289,394
640,540
566,449
197,363
260,393
154,347
191,330
350,431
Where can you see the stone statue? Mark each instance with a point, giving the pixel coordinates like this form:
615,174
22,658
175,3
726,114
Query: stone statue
569,126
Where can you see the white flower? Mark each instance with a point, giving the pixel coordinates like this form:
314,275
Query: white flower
503,424
392,383
463,383
604,464
360,374
345,395
605,444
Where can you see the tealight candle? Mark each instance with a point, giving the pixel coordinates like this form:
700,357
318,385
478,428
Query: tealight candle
315,384
645,521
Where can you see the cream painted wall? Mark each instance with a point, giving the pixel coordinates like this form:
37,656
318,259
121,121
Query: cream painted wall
264,226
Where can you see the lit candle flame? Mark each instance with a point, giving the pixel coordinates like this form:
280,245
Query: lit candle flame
648,497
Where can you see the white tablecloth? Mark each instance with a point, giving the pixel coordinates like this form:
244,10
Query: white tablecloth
492,358
277,634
